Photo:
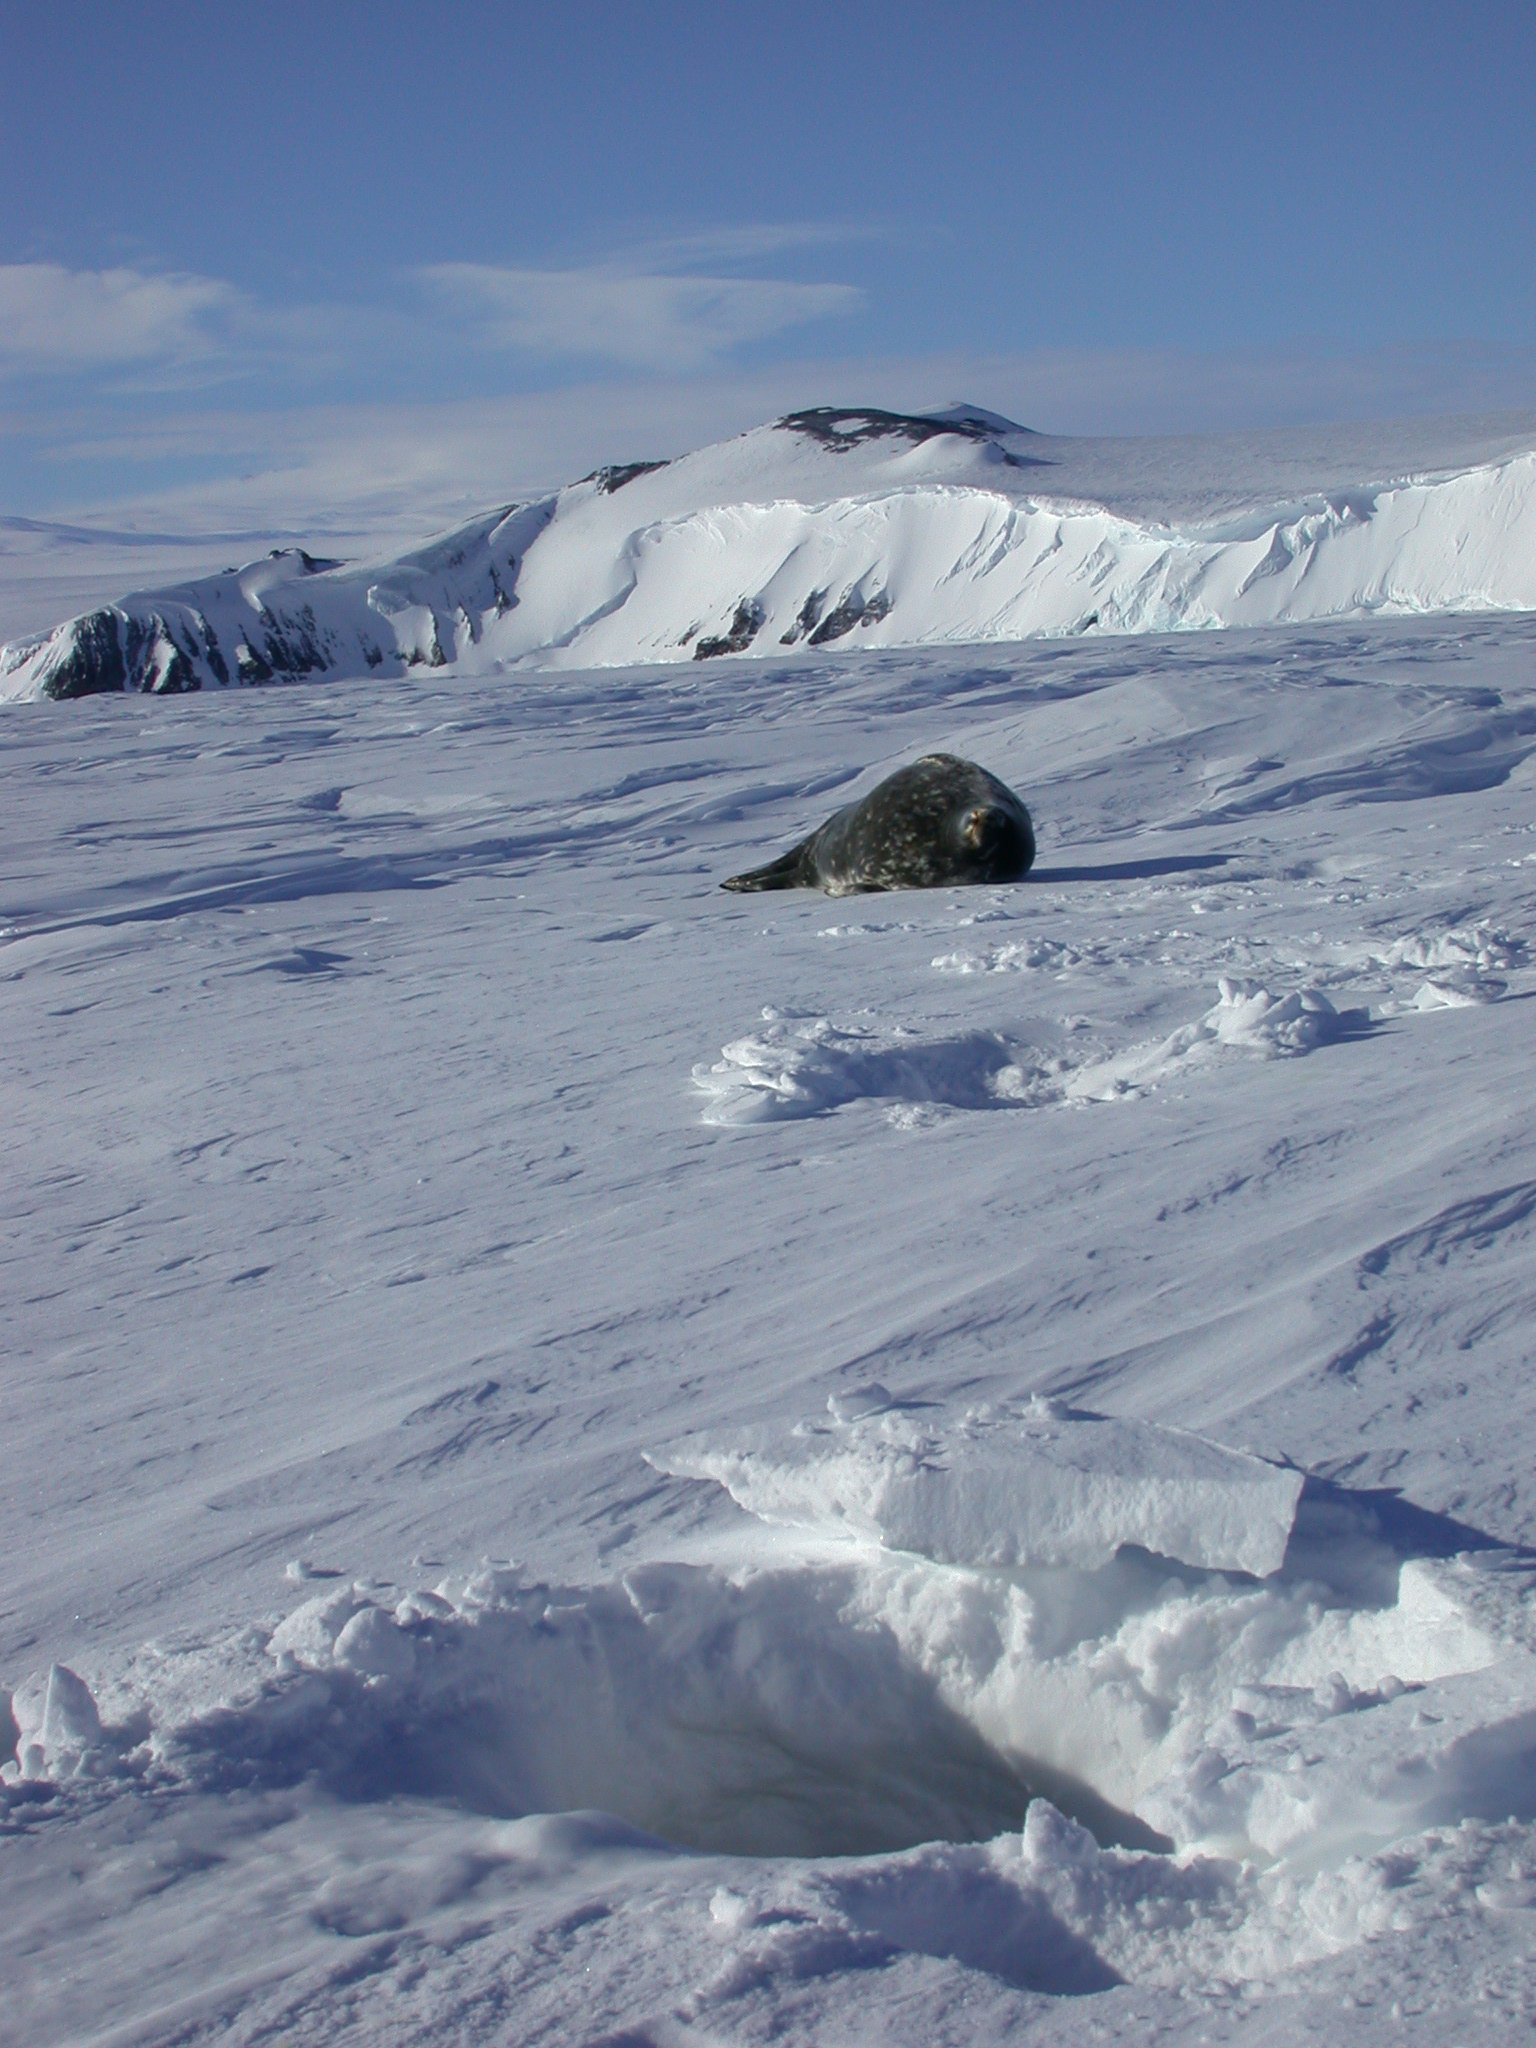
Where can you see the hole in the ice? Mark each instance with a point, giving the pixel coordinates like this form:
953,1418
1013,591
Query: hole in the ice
753,1719
746,1790
823,1710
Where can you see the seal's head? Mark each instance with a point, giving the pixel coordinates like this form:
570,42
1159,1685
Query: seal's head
990,842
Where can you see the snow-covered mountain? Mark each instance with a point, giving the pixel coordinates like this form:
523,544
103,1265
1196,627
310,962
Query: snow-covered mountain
861,527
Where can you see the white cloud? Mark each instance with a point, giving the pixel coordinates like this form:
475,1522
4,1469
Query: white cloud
57,319
654,312
746,244
645,319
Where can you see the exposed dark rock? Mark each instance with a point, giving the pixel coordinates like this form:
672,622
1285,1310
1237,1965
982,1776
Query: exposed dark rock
89,659
744,629
505,601
613,476
213,654
296,647
111,650
174,672
806,619
249,665
843,427
312,565
853,611
433,656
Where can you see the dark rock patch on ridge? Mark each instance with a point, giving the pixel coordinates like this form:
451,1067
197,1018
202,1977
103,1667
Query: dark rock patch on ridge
806,620
613,476
744,629
843,427
312,565
853,611
112,650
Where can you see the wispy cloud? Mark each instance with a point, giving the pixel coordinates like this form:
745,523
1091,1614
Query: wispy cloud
670,305
751,242
645,319
57,319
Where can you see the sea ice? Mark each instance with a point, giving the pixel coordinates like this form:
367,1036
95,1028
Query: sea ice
358,1211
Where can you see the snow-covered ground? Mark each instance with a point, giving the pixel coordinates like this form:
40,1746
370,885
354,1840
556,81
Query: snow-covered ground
588,1459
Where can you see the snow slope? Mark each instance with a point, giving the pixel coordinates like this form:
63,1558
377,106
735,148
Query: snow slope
881,529
591,1459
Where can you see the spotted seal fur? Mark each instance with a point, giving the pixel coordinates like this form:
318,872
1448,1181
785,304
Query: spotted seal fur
940,822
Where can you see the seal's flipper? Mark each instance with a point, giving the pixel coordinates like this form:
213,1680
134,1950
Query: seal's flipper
787,872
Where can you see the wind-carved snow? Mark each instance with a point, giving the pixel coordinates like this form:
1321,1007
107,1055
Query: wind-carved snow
1247,1017
1042,1487
444,1290
59,1735
759,545
1457,967
1022,956
806,1067
1465,965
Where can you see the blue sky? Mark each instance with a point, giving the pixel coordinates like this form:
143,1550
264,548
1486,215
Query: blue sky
230,234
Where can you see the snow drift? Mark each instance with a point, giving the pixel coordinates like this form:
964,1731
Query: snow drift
849,527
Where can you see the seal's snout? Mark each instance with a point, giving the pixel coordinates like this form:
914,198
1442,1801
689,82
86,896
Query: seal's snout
994,843
987,829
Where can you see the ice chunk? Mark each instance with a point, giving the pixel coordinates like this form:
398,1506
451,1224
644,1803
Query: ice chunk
1044,1485
58,1728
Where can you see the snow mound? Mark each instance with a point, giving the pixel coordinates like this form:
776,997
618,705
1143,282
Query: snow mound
1462,966
1248,1018
808,1066
1482,949
801,1067
856,528
1248,1015
994,1488
1453,966
1014,956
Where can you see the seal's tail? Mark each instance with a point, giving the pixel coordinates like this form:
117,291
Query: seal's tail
787,872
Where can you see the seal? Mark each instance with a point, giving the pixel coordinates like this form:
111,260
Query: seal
940,822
